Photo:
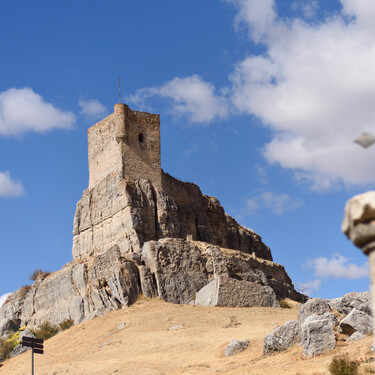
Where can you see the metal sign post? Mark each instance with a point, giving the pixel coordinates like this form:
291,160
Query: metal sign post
36,346
32,361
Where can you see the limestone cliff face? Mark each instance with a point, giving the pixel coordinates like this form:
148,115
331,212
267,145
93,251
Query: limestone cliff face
173,269
128,214
169,241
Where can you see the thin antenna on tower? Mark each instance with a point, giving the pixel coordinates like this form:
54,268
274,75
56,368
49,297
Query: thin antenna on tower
119,90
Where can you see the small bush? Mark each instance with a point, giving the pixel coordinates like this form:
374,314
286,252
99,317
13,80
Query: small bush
343,366
7,345
66,324
233,321
45,331
39,274
24,290
284,304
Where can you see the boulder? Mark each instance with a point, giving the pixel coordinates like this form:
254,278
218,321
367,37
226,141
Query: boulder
7,327
282,337
121,326
148,284
179,267
176,327
313,306
356,336
356,321
317,336
225,291
207,296
332,318
235,347
344,305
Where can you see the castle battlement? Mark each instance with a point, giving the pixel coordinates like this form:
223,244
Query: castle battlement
126,142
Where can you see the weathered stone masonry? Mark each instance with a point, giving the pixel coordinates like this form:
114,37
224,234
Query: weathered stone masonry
126,142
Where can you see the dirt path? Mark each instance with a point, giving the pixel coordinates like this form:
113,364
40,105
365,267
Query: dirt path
148,346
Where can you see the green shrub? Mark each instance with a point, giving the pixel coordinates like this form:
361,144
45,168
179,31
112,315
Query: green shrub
284,304
66,324
45,331
342,365
39,274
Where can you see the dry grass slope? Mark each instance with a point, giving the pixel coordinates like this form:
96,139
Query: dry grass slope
147,346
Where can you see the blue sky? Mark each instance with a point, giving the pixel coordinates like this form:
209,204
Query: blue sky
260,101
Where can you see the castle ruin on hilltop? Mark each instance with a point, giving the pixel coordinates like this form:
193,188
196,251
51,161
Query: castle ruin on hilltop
138,230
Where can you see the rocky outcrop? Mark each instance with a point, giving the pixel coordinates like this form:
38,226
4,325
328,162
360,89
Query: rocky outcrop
344,305
133,237
224,291
7,326
319,322
173,269
313,306
128,214
317,335
356,321
235,347
107,281
282,337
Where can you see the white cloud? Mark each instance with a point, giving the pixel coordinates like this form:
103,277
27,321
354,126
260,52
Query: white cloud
308,8
23,110
190,96
3,298
314,86
262,173
259,16
92,108
363,11
338,267
277,203
10,187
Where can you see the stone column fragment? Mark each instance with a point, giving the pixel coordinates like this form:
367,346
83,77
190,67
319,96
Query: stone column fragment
359,226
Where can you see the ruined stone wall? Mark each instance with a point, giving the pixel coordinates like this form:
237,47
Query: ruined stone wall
141,151
104,151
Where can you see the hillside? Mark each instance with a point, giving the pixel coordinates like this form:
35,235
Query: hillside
147,345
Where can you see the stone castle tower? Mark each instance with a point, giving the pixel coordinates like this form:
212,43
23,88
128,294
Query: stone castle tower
126,142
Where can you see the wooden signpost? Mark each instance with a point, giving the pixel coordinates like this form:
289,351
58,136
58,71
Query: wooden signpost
36,346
